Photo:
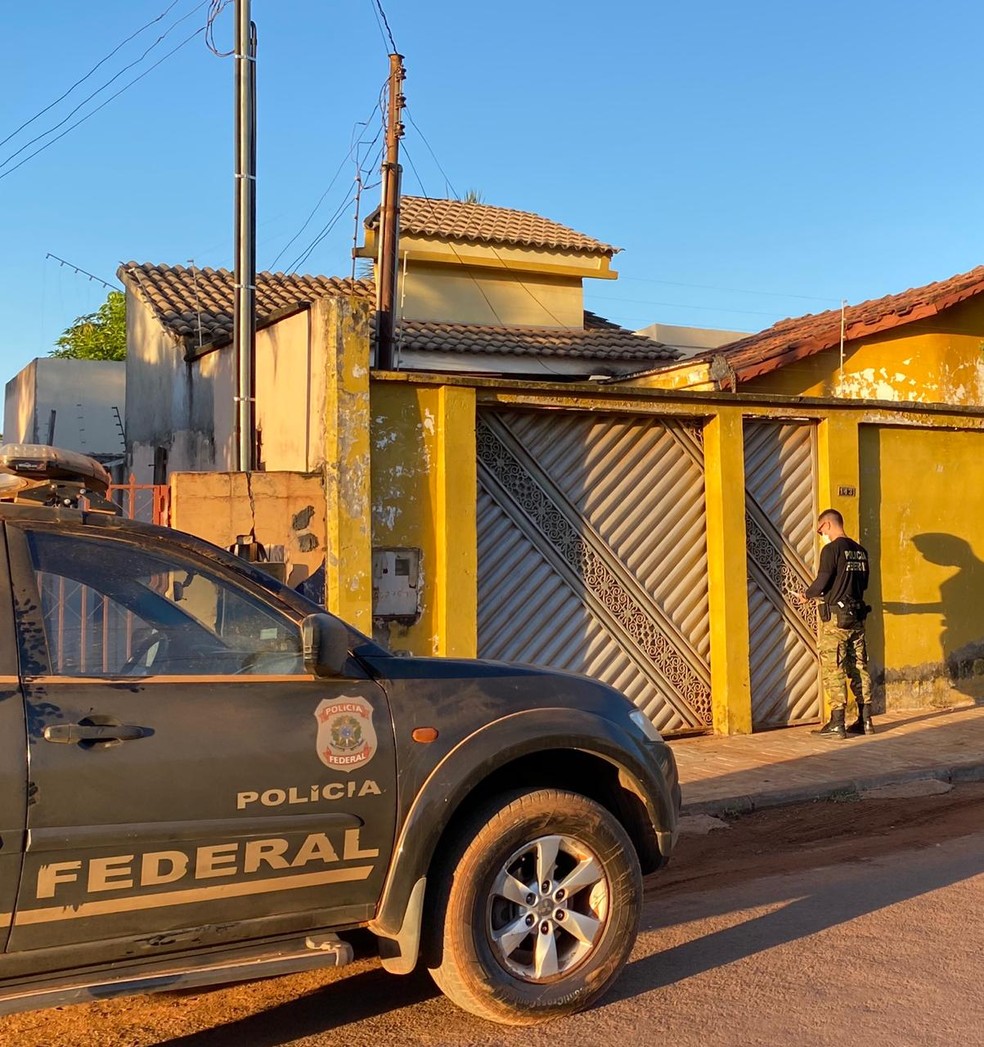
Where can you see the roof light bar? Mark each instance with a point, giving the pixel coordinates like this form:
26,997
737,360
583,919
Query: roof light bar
55,477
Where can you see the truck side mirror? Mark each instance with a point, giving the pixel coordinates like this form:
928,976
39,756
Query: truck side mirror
325,641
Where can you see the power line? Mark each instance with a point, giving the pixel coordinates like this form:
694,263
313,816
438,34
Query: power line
378,7
432,153
471,275
351,155
731,290
325,230
102,61
216,7
681,305
92,112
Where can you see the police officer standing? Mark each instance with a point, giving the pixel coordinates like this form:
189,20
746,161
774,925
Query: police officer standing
839,586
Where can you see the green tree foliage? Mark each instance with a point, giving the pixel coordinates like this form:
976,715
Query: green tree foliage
97,336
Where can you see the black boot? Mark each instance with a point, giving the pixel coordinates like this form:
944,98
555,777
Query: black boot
862,725
834,727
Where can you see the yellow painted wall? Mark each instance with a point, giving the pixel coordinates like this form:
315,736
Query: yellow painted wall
937,360
923,518
400,470
485,296
424,496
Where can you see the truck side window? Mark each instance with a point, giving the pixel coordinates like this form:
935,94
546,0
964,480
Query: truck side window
110,608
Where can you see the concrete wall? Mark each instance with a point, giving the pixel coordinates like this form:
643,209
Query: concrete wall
284,511
290,392
82,393
175,404
20,419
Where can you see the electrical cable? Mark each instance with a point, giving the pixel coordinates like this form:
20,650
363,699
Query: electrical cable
101,88
102,61
351,155
505,266
432,153
325,230
216,7
732,290
93,112
389,34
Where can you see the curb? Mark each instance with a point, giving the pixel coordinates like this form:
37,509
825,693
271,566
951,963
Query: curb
843,789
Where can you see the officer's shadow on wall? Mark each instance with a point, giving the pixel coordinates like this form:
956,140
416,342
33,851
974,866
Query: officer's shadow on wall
960,605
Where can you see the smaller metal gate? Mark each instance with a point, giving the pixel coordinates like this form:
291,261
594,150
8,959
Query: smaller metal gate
780,515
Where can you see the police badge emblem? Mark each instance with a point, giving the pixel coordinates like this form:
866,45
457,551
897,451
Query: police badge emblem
346,736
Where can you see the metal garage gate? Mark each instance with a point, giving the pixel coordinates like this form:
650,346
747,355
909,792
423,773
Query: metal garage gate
592,554
780,515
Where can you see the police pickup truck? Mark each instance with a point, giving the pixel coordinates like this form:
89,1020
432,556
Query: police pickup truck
204,777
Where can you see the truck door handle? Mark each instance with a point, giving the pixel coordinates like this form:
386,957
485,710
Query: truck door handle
73,733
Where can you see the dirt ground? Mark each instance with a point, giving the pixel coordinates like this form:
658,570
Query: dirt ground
762,843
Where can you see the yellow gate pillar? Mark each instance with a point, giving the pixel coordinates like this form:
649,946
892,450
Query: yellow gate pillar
727,572
348,556
839,467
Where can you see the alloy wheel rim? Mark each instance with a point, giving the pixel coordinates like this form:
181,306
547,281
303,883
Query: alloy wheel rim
548,908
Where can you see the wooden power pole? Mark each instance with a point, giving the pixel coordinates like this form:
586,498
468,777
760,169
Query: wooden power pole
389,222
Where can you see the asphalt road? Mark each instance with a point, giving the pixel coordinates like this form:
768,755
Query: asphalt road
829,923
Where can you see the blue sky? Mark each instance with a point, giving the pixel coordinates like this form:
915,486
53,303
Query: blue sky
755,160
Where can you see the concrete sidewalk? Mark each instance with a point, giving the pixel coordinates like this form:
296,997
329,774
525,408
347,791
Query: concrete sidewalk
793,765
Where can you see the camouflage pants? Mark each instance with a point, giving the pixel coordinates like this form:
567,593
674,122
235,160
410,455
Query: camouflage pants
843,658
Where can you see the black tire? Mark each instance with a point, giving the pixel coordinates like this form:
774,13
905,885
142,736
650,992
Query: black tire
484,958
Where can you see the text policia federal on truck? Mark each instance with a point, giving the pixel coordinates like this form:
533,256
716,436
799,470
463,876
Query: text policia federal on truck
205,777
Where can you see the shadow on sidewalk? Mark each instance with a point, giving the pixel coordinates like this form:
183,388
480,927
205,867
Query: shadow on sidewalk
722,769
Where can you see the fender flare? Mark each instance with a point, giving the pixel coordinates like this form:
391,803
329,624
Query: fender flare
398,917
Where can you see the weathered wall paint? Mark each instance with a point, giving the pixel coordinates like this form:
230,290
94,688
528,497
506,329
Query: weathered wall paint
342,324
424,496
937,360
172,403
285,512
922,511
399,470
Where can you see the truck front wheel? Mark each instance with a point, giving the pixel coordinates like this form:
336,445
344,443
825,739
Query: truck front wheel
540,900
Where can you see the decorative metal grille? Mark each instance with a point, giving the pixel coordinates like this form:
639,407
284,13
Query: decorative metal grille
592,554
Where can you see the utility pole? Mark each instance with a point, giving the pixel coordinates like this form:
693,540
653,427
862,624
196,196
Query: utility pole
244,309
387,264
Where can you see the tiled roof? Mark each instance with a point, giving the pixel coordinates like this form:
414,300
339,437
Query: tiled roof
184,298
792,340
480,223
597,340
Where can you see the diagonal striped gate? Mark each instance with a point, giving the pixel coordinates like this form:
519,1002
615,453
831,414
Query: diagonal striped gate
780,515
592,553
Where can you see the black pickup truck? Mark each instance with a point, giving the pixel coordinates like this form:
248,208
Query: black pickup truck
204,778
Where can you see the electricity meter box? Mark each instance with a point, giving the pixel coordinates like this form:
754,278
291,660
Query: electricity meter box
395,588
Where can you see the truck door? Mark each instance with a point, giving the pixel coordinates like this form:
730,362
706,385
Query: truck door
191,783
